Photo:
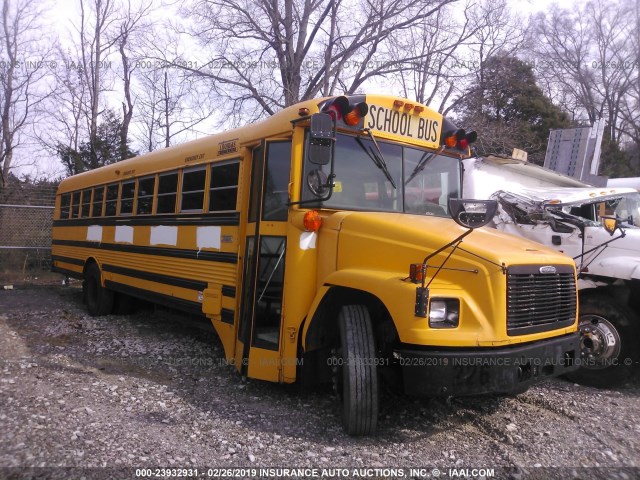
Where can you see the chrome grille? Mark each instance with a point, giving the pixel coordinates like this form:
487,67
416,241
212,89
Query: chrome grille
539,302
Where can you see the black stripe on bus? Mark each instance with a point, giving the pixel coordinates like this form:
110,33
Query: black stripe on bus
161,251
66,272
72,261
156,277
213,219
228,291
227,316
155,297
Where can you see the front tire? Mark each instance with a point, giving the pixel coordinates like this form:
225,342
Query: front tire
357,373
99,299
608,342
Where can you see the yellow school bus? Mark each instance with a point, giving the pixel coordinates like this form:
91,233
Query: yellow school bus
320,243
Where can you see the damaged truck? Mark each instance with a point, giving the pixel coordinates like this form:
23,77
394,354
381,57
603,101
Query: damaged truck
599,229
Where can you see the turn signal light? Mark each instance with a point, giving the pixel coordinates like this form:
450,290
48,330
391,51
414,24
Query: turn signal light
416,272
460,139
357,112
451,141
312,221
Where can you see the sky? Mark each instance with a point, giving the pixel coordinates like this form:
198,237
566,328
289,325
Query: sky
60,19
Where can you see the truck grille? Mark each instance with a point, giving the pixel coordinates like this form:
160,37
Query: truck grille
539,302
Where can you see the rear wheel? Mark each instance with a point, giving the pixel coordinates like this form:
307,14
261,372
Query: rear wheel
356,373
99,299
608,342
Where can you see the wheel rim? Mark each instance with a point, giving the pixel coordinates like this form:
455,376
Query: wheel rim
599,342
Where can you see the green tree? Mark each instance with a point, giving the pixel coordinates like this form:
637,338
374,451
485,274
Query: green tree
614,161
508,109
106,149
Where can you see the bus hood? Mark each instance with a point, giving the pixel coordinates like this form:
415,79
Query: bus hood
392,241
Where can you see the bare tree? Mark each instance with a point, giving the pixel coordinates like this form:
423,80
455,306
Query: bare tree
169,105
132,24
630,105
265,55
23,68
586,55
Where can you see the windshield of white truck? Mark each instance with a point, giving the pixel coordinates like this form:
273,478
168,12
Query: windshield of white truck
626,208
361,184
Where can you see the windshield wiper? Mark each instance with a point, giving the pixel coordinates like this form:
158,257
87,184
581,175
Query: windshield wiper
426,158
378,159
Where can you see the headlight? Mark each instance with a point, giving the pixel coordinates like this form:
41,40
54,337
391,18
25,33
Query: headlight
444,312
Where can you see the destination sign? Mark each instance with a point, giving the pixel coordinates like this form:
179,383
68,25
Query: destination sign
403,123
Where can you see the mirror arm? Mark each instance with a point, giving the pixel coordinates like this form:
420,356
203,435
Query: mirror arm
603,244
329,185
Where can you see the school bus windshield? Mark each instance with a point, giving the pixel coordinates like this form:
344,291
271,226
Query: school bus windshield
423,180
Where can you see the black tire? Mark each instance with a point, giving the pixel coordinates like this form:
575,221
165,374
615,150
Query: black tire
609,342
99,299
357,373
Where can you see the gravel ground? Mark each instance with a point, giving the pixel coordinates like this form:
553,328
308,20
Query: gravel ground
80,396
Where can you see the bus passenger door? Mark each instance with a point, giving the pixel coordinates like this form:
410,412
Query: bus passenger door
259,341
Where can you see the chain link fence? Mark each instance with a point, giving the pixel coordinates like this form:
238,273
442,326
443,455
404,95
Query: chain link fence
26,218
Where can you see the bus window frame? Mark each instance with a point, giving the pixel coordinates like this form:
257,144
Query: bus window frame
153,176
185,171
108,201
157,195
88,204
64,207
76,213
222,164
132,198
94,202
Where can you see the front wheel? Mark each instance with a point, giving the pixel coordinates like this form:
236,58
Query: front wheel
99,299
608,342
357,378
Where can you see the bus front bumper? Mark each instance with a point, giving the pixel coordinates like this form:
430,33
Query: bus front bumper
476,371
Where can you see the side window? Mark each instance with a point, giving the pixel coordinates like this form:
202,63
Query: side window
224,187
193,181
75,205
98,196
276,181
126,198
111,203
167,188
256,183
65,201
146,187
86,203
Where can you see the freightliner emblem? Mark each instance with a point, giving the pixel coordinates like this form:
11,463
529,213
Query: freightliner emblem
548,269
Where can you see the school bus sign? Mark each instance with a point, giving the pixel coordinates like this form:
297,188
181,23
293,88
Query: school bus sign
405,122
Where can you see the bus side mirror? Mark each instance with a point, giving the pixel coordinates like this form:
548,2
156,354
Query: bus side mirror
321,139
610,223
472,213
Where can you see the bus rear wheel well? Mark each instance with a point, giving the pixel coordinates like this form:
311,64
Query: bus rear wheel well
90,261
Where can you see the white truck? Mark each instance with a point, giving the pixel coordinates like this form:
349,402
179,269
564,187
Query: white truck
570,216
